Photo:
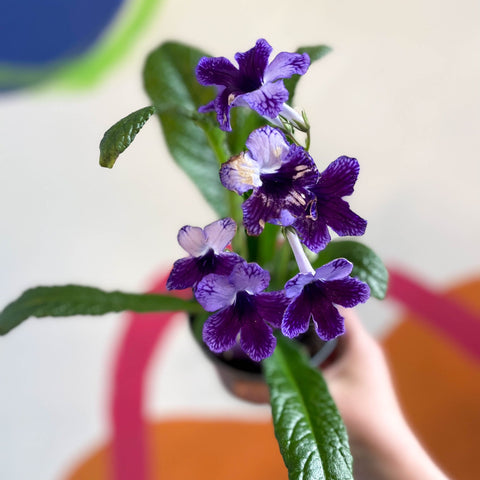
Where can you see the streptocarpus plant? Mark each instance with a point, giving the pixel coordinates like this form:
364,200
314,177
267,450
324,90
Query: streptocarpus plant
266,270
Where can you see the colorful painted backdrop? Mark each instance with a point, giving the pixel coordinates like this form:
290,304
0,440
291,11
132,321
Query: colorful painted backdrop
399,92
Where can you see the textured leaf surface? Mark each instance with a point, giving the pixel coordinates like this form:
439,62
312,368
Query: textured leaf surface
310,432
194,140
68,300
118,137
367,265
315,53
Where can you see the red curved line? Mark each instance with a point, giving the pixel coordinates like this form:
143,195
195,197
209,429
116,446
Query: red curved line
140,339
454,321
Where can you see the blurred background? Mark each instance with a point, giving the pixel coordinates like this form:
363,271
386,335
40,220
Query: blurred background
399,92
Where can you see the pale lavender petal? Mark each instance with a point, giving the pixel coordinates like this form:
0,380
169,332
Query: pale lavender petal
220,233
339,178
340,218
334,270
295,285
285,64
268,147
192,240
330,323
240,174
184,274
253,62
257,340
347,292
220,330
271,306
297,317
214,292
286,219
268,99
216,71
249,277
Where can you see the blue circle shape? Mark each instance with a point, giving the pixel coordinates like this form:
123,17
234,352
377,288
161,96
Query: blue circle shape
42,32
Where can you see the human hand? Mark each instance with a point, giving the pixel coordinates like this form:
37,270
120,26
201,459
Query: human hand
382,444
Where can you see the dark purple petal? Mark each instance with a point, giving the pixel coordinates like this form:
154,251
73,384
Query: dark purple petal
347,292
223,104
214,292
283,190
271,306
339,178
257,339
216,71
297,316
225,262
221,329
184,274
252,63
256,211
334,270
249,277
330,323
313,233
268,99
336,212
300,167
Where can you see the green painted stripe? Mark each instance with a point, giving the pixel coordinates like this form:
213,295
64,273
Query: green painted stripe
90,68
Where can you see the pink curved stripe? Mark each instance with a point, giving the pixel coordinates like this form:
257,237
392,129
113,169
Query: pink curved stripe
454,321
144,333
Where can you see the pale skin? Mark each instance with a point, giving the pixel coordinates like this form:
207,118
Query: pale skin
382,443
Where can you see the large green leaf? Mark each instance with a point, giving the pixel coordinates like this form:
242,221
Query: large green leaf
68,300
195,142
118,137
367,265
315,53
310,432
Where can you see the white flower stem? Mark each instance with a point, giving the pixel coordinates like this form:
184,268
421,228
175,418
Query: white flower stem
303,263
292,115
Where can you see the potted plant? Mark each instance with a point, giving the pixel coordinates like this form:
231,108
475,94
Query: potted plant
266,272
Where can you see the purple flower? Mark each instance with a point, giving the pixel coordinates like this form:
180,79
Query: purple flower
280,175
255,83
242,309
328,209
206,249
314,295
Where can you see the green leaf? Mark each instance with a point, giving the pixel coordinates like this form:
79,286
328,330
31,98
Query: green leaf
310,432
121,135
195,142
367,265
68,300
315,53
